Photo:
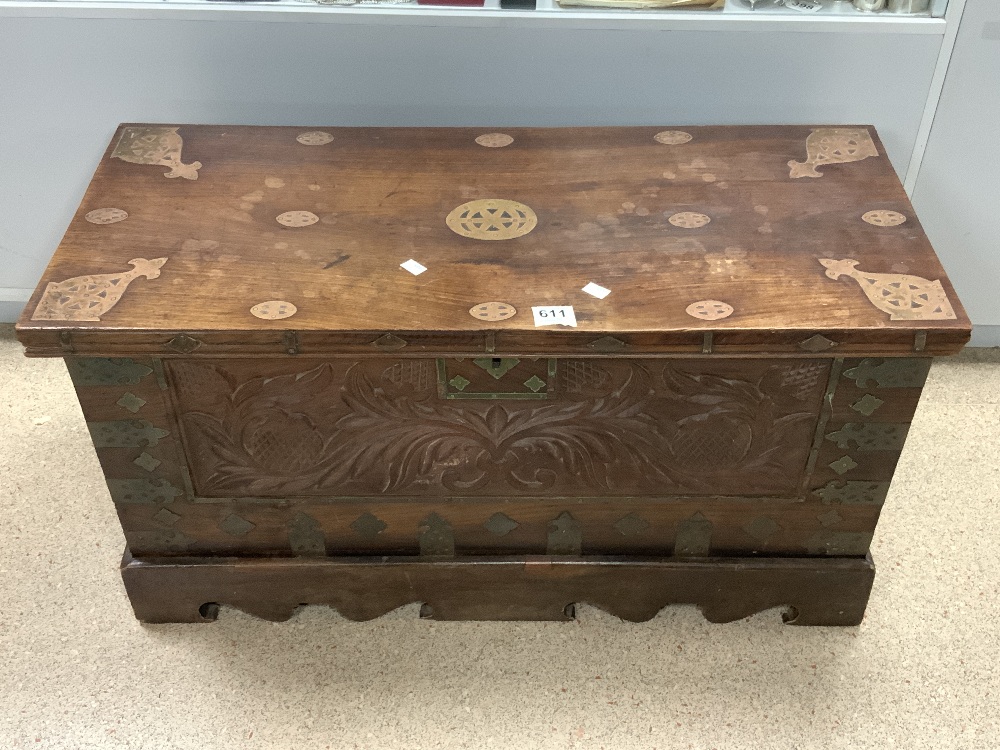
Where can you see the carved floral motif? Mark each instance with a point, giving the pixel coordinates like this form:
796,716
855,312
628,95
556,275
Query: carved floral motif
360,430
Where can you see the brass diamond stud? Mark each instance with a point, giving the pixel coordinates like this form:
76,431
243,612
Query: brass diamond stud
236,526
314,138
147,462
534,383
867,404
459,383
672,137
131,402
843,465
500,524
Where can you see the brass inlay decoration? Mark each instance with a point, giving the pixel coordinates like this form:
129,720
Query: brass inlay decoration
689,220
833,146
867,404
126,433
147,462
890,373
855,543
389,342
694,536
130,402
830,518
142,491
871,436
494,140
454,387
368,526
884,218
106,215
762,528
155,146
853,493
843,465
305,536
436,537
314,138
166,517
296,219
904,297
274,309
496,366
565,536
102,371
709,309
90,297
534,383
235,525
631,525
500,524
817,343
672,137
183,343
492,219
493,311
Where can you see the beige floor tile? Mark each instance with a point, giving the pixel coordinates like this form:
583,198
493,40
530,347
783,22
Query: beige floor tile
79,672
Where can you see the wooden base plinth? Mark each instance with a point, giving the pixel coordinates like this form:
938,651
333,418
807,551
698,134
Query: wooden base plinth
815,591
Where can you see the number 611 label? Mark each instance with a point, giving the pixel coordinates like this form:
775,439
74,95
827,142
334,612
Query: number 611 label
554,315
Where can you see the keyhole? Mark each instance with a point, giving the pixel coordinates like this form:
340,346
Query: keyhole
496,363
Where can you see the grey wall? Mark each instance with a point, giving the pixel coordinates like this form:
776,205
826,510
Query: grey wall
67,82
957,193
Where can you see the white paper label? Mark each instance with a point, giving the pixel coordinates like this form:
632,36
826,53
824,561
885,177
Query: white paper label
413,267
596,290
554,315
804,6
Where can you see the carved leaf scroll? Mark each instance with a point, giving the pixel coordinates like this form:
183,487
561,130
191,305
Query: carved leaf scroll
339,429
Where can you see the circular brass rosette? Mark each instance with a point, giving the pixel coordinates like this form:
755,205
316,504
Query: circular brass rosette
494,140
274,309
884,218
106,215
672,137
493,311
314,138
689,220
492,219
297,218
709,309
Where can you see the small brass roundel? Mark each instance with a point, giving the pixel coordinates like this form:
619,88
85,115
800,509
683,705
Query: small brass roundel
492,219
493,311
297,218
494,140
314,138
106,215
709,309
672,137
689,220
884,218
274,309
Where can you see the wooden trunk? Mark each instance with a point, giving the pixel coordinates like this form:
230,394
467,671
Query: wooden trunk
285,415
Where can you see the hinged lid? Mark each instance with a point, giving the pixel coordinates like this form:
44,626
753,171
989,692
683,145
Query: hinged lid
209,240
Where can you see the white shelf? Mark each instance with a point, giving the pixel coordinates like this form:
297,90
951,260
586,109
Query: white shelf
839,17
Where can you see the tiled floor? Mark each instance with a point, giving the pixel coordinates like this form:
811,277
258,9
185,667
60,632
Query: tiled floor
79,672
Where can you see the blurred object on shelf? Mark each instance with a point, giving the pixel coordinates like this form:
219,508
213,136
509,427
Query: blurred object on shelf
909,6
517,4
647,4
454,3
804,6
869,6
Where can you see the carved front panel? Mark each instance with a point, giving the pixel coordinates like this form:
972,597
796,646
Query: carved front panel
589,428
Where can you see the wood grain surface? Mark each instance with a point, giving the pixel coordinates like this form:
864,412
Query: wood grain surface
603,199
